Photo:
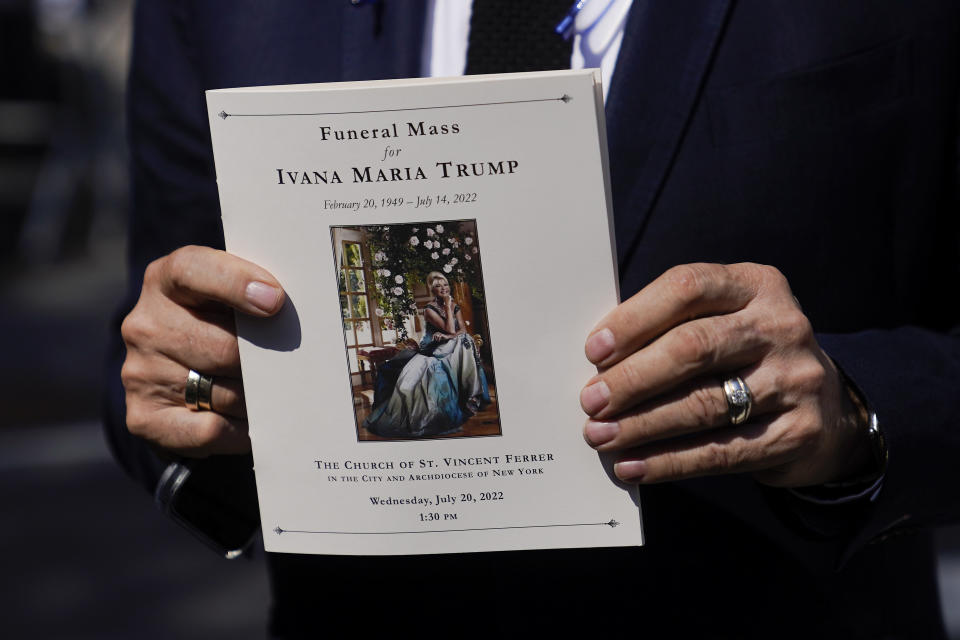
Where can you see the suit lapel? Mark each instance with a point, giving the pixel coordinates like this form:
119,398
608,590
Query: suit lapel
666,51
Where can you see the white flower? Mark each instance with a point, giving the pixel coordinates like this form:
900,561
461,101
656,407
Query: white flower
467,257
447,268
414,229
468,240
379,287
379,312
398,279
413,305
430,232
451,240
379,256
398,291
386,273
434,255
439,228
414,240
446,251
455,244
453,261
474,249
428,244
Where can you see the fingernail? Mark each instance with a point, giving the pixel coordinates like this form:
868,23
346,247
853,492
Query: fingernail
262,296
598,433
600,345
630,469
595,397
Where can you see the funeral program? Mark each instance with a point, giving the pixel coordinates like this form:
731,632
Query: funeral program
445,246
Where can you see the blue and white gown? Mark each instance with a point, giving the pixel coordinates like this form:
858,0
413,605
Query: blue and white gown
430,391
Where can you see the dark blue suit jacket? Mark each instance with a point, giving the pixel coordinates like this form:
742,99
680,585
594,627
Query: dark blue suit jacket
815,136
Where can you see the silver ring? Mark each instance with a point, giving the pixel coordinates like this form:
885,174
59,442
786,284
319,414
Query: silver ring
198,391
739,399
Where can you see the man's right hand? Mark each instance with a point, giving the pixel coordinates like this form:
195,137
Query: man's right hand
182,321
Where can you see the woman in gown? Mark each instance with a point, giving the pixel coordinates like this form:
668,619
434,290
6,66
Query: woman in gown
436,388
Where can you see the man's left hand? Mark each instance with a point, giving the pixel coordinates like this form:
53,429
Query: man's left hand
663,355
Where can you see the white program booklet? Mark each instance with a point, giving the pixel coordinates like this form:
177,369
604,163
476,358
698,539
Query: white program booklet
445,246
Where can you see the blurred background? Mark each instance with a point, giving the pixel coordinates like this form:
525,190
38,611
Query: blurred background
85,554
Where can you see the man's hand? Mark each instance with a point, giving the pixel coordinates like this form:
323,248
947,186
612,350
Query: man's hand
663,355
184,320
